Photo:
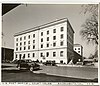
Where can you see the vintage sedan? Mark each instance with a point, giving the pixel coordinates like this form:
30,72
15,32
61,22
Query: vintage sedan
27,64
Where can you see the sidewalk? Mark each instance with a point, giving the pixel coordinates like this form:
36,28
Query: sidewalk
64,71
8,66
76,72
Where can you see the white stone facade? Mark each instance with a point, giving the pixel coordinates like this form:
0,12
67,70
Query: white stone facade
52,41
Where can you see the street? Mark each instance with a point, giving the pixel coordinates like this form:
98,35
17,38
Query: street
15,75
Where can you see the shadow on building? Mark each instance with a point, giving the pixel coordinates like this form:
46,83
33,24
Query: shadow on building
75,58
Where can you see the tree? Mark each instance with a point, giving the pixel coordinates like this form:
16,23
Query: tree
90,27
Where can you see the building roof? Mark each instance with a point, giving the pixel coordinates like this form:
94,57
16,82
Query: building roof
43,26
78,45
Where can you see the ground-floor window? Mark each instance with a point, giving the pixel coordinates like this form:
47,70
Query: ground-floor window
61,61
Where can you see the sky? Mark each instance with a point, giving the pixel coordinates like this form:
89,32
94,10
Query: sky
28,16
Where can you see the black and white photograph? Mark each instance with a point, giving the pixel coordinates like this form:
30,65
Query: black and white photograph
49,43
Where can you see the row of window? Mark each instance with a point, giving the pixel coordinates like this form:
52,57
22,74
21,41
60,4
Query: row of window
25,43
41,54
54,44
25,48
54,54
77,48
54,31
54,37
25,37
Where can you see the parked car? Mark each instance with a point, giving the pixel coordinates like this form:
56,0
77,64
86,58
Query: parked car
79,63
27,64
50,63
15,61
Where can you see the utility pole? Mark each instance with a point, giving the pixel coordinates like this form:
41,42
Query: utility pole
3,42
4,52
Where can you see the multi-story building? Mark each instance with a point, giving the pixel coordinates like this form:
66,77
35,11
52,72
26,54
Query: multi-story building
52,41
79,49
7,54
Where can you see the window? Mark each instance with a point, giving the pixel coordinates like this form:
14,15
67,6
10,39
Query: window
54,44
28,47
24,37
41,33
61,36
78,48
54,37
41,45
24,43
20,55
47,32
28,55
20,43
33,35
54,30
61,61
47,54
61,43
33,46
33,54
54,54
47,44
41,39
29,36
20,48
16,55
41,54
20,38
16,49
62,28
47,38
23,56
78,51
24,48
33,41
28,42
16,39
16,44
61,53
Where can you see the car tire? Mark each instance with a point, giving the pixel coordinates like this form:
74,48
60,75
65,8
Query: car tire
31,68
